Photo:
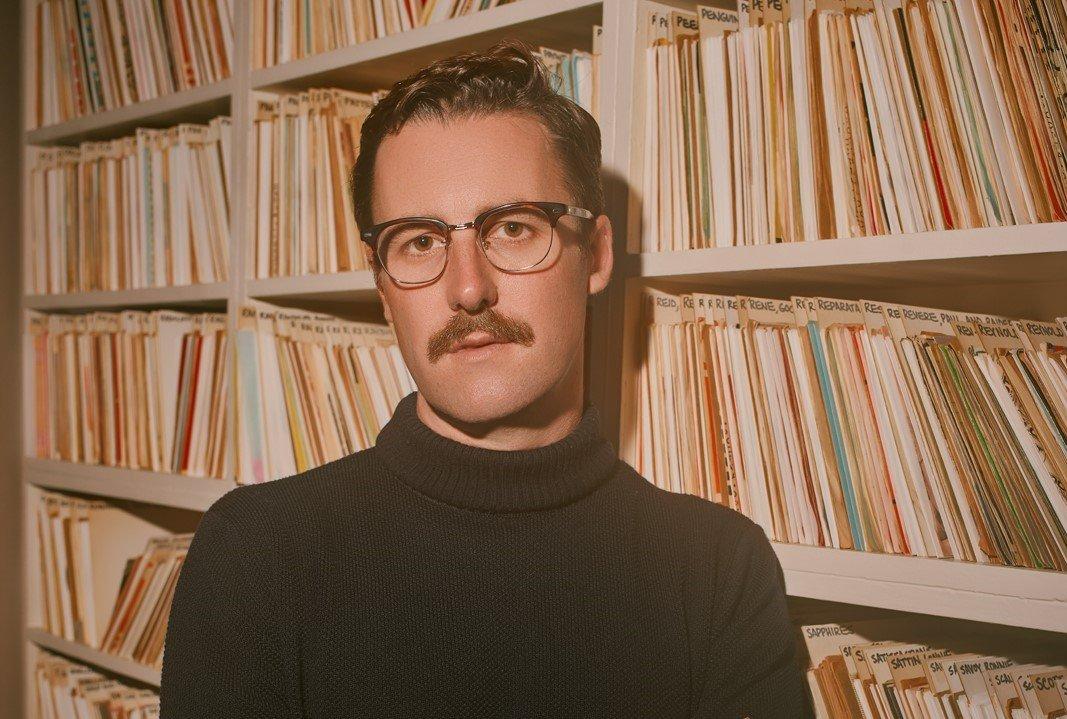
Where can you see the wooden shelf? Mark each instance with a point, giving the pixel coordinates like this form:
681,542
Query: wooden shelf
83,653
355,286
209,294
169,490
194,105
563,24
1001,595
1025,253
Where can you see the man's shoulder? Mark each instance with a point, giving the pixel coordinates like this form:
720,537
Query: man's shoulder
690,510
693,522
297,498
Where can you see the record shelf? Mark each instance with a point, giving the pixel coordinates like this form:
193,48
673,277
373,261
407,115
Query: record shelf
168,490
357,286
209,294
205,101
1021,269
124,668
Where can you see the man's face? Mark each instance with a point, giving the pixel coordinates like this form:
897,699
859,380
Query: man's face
454,171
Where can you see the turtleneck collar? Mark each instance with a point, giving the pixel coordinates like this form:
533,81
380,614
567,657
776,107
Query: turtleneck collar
496,480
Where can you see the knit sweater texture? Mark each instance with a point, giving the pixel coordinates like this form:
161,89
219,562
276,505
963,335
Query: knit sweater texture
425,577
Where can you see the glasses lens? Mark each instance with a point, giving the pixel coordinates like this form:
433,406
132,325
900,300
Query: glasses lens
517,238
413,251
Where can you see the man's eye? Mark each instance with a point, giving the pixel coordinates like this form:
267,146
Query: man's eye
510,230
421,243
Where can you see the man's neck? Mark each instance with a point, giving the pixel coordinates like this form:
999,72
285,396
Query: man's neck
547,419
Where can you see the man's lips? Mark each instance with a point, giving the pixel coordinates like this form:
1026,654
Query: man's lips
475,339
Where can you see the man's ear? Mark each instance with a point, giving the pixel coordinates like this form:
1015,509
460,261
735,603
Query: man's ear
378,275
368,253
601,254
385,306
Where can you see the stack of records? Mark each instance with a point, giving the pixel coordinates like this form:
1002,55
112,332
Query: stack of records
797,121
575,74
65,689
861,425
853,675
138,623
94,56
284,30
305,146
143,390
150,210
84,545
312,388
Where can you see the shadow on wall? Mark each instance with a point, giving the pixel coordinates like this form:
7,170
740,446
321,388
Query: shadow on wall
11,130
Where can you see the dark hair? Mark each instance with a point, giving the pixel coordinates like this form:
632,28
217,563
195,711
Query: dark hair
506,78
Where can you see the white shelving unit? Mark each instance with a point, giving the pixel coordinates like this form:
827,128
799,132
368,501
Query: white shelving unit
1019,271
1022,269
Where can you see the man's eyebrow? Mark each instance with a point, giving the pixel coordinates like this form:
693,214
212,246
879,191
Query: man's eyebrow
481,208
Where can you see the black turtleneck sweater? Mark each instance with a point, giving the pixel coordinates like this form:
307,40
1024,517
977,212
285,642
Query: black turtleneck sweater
429,578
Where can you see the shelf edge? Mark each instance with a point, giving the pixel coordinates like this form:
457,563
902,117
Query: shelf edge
417,38
84,653
167,490
1020,597
182,294
141,111
947,245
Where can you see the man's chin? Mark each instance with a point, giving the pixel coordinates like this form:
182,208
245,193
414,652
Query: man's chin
479,398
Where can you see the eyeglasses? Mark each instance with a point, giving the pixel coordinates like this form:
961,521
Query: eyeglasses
515,237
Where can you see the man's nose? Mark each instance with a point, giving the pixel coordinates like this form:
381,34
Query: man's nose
469,277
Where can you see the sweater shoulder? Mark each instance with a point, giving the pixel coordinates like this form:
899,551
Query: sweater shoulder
723,558
302,498
690,513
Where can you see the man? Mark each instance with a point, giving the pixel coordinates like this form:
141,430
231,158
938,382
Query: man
491,555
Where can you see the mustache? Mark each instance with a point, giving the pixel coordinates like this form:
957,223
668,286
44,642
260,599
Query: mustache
504,329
